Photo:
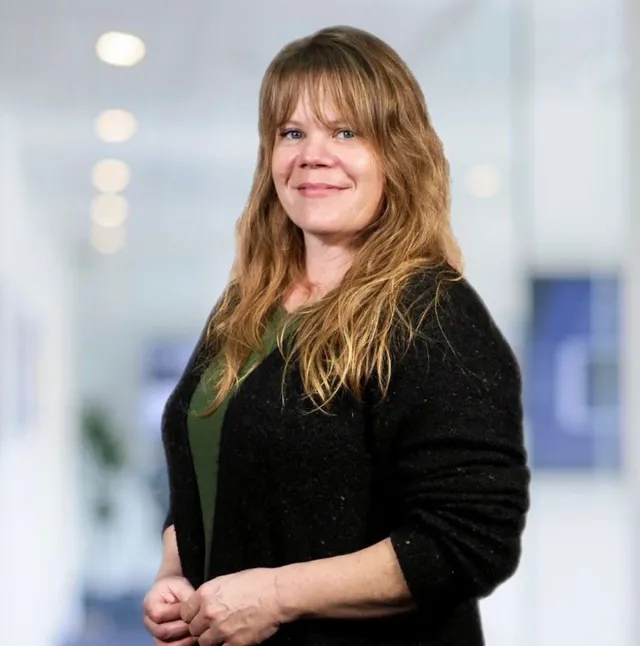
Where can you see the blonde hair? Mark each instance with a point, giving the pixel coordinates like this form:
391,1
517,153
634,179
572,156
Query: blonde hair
347,337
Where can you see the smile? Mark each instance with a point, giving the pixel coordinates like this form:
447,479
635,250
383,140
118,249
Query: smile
319,190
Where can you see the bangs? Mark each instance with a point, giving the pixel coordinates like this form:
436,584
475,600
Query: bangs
329,79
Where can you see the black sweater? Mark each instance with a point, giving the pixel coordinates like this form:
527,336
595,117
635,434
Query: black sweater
439,466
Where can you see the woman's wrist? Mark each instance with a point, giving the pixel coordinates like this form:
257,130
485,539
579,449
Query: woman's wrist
289,592
167,571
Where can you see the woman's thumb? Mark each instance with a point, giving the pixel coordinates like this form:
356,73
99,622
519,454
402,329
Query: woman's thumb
181,589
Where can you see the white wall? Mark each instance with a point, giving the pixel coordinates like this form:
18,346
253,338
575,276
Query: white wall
575,219
578,161
39,541
574,583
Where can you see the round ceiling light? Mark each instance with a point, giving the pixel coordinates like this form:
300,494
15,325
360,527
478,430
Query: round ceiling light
107,240
111,176
109,210
120,49
115,126
484,181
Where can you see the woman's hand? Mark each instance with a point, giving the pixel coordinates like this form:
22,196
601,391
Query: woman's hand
162,607
239,609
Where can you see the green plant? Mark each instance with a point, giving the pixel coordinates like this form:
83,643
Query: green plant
106,448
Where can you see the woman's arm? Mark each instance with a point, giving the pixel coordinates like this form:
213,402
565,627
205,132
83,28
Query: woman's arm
170,565
368,583
457,481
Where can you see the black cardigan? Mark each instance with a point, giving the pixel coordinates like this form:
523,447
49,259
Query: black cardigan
439,466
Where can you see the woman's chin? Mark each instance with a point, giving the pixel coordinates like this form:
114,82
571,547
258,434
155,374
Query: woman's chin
327,234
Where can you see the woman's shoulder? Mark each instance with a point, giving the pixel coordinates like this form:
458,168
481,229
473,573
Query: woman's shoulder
443,293
452,323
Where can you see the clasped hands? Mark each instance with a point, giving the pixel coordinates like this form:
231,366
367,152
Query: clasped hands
239,609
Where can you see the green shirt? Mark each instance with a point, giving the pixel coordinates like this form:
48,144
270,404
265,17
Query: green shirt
204,434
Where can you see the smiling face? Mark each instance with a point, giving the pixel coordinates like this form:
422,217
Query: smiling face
327,178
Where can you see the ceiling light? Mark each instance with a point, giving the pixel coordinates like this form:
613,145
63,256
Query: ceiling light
484,181
115,126
109,210
111,176
107,241
120,49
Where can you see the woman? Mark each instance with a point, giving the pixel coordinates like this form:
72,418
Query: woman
345,447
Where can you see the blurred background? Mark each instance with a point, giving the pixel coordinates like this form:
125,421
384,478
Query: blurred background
127,146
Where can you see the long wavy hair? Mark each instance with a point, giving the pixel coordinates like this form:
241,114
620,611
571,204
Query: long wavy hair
347,337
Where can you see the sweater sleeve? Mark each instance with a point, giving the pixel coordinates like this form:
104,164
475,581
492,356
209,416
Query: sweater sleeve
168,521
458,468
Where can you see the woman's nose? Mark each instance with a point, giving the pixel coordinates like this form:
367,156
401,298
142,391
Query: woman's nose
315,152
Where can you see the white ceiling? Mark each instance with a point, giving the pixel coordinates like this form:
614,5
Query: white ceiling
195,94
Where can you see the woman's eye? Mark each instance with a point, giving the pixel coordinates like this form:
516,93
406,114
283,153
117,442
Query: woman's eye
347,134
291,134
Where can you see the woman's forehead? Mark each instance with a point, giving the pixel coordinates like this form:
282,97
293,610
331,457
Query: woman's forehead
316,105
306,108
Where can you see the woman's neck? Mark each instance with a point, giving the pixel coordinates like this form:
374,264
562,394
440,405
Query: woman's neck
326,265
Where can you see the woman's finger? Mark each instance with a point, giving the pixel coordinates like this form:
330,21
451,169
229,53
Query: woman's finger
170,631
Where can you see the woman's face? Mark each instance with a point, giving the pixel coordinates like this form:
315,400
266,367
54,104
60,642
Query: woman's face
329,180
